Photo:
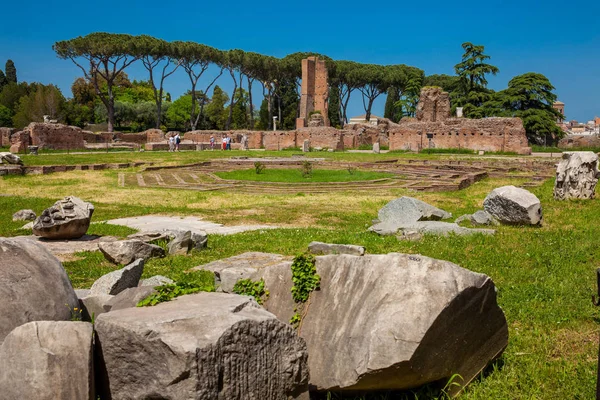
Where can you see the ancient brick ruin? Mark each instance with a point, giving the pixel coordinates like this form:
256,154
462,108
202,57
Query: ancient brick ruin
434,128
314,93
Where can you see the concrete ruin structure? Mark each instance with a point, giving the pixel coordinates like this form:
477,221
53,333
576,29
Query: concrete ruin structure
314,93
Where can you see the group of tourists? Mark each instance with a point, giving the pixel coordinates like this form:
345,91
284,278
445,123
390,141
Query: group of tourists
225,143
174,141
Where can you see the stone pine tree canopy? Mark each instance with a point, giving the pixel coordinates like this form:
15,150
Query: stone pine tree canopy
102,57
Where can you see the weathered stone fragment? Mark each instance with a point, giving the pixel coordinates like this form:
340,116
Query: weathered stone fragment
410,320
230,270
513,206
151,236
9,158
68,218
169,351
24,215
33,285
576,176
94,305
48,360
376,148
130,297
115,282
483,218
306,146
443,228
126,251
156,280
406,210
409,214
321,248
184,242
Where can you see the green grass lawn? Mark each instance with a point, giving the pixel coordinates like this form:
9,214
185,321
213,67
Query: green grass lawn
545,276
188,157
295,175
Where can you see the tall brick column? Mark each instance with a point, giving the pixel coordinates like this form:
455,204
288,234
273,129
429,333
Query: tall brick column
314,91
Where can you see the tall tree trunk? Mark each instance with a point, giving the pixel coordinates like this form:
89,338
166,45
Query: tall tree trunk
232,102
158,114
251,107
111,116
270,109
193,120
111,108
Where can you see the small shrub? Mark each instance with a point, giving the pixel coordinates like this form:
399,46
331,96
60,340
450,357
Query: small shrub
259,167
306,169
304,277
256,289
351,170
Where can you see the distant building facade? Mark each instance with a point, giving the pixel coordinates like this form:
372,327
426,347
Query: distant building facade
362,119
560,107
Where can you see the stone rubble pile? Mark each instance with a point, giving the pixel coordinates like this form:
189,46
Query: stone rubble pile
407,216
182,349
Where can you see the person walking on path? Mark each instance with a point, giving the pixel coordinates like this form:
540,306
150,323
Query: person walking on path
212,142
224,143
171,143
177,141
228,143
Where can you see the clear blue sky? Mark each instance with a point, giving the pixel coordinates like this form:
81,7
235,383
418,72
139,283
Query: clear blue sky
558,39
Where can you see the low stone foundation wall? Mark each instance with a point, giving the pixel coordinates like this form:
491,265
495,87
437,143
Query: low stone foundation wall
488,134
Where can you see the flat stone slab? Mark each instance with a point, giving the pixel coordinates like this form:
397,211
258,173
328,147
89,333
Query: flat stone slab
193,224
70,246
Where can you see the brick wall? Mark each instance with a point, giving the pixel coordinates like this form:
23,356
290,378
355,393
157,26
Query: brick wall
323,137
489,134
277,140
365,134
154,136
55,136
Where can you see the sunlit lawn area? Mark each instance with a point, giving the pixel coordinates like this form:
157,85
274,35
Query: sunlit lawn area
296,176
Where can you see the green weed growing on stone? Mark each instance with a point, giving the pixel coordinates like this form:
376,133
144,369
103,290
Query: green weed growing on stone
256,289
304,277
75,313
187,284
